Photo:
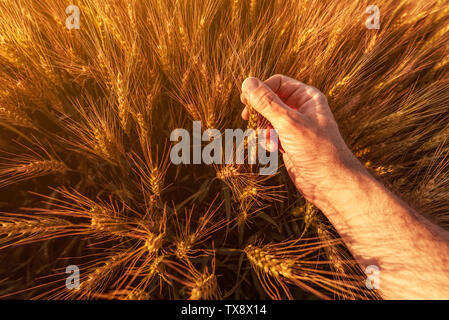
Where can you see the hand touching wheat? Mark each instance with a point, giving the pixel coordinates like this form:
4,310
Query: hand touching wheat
377,227
315,152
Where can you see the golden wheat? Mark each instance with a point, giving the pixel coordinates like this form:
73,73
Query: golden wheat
85,116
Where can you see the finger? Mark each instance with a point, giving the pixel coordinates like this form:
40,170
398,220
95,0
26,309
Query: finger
245,114
283,85
294,93
262,98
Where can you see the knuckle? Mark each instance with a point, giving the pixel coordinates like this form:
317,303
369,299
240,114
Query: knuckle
321,97
317,95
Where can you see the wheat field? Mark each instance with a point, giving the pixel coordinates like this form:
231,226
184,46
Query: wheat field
85,121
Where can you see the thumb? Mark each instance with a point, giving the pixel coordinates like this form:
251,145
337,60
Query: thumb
260,97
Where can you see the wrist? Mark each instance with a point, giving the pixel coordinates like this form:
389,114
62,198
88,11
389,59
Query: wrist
347,189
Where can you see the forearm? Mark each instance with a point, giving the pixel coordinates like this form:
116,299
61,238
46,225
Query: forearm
380,229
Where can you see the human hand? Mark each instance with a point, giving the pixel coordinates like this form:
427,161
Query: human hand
405,245
316,156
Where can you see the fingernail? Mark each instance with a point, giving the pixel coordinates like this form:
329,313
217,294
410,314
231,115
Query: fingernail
250,84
